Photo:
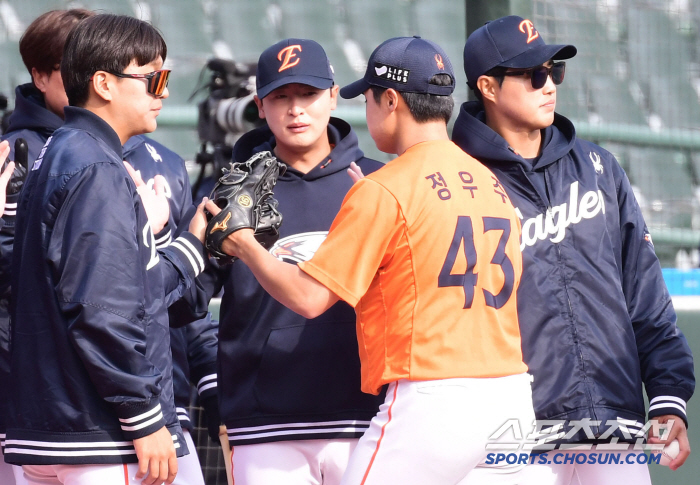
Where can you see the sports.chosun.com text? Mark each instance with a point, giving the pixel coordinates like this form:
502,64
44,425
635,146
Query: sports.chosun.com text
566,458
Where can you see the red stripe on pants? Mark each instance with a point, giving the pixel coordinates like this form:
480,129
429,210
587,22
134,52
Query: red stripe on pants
379,442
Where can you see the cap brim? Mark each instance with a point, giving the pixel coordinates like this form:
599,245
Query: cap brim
316,82
354,90
540,55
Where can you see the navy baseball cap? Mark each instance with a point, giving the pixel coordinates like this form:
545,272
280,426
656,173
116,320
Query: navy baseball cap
405,64
508,42
290,61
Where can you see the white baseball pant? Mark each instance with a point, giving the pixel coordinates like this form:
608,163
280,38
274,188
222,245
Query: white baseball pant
189,472
305,462
437,432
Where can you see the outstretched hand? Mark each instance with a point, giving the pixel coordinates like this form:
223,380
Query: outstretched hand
230,245
154,200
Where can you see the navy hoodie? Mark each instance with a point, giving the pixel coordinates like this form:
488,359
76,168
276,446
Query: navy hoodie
286,377
30,120
596,318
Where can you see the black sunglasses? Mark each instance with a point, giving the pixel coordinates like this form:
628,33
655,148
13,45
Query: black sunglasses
157,80
539,74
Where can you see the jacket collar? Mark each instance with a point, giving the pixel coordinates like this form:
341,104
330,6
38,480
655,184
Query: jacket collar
82,119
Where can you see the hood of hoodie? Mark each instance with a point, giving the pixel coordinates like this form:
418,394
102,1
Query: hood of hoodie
474,136
345,149
30,112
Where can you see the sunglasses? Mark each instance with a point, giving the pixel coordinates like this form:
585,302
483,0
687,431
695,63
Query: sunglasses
539,74
157,80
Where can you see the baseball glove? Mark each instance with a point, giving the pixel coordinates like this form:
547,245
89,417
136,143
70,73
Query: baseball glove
244,195
20,174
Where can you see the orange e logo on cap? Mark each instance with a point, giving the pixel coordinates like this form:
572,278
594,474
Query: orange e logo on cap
532,34
288,53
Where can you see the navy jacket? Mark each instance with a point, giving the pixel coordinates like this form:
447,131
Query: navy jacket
194,349
90,358
193,346
596,318
286,377
32,121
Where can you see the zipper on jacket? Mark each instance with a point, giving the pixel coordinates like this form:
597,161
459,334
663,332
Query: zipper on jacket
562,267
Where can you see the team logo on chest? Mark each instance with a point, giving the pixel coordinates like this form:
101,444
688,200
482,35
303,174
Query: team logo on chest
154,153
298,247
595,158
555,221
151,183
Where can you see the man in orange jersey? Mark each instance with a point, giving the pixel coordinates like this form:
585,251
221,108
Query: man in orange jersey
427,251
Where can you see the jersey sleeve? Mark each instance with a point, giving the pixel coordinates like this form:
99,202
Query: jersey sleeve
361,240
94,248
664,355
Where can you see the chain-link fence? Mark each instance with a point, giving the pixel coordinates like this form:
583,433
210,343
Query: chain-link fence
633,87
209,453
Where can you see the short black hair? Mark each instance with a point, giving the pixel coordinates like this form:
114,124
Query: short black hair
425,107
108,43
498,73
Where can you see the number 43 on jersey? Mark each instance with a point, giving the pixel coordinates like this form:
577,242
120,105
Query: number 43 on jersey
464,237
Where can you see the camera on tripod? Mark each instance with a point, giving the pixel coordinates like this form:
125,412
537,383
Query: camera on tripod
228,112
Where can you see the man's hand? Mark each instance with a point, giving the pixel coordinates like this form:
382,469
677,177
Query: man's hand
355,172
198,224
677,431
6,174
154,200
285,282
233,244
157,458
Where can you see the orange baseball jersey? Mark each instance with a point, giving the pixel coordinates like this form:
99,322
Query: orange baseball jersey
427,251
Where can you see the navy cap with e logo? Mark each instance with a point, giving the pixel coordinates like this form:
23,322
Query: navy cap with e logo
405,64
290,61
510,41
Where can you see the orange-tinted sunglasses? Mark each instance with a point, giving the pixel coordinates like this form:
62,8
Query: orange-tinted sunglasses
157,80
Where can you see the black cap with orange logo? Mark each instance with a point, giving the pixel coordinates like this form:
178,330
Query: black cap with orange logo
290,61
508,42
